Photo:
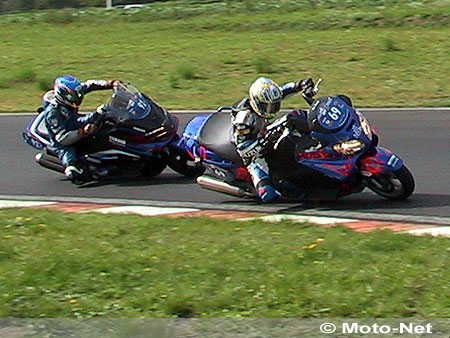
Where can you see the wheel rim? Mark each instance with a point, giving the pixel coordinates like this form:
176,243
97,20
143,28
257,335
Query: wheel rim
388,185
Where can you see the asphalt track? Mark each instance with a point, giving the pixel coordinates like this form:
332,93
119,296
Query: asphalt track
420,137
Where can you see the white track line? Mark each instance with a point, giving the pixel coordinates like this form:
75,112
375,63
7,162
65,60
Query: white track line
22,204
141,210
440,231
276,209
443,231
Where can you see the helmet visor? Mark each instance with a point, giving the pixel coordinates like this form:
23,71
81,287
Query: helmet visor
75,98
270,108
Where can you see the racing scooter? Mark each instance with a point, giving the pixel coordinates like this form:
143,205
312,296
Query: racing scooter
337,157
134,135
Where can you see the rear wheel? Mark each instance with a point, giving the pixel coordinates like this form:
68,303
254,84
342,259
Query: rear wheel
153,167
397,185
184,165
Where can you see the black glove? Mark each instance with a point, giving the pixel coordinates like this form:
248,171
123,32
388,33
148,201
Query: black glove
307,83
309,91
113,83
100,115
101,110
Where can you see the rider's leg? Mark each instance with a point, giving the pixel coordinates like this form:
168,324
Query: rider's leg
73,171
259,172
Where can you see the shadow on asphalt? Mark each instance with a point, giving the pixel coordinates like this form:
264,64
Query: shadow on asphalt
138,181
365,201
373,202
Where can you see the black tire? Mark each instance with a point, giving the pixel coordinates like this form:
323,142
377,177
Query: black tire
397,185
184,165
153,167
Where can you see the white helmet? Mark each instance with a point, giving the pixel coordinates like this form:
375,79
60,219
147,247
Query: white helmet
265,97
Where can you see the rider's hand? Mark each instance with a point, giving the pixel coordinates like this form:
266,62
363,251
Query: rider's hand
114,83
309,91
88,129
307,83
101,110
308,87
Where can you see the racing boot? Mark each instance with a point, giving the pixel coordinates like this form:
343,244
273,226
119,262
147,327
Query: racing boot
75,174
291,190
259,172
104,172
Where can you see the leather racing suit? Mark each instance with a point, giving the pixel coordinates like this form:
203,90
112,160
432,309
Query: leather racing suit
65,125
248,129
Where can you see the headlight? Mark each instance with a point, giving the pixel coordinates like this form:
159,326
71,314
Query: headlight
350,147
365,125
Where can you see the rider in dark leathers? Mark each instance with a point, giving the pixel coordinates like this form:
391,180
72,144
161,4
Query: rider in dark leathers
65,126
249,123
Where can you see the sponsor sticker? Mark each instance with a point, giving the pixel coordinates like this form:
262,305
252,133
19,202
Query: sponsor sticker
393,160
117,140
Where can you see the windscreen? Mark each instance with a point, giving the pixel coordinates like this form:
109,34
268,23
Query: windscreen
131,109
128,102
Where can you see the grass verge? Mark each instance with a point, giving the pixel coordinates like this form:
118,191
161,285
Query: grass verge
88,265
207,55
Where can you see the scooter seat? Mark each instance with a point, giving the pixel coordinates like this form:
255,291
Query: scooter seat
42,129
216,136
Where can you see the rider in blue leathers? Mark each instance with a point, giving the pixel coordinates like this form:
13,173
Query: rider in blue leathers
250,122
65,126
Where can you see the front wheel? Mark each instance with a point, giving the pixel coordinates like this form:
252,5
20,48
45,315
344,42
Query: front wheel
396,185
184,164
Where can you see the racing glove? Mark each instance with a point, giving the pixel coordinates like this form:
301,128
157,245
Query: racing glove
87,130
114,83
306,83
101,110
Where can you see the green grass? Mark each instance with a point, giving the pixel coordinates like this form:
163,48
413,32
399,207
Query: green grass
207,54
85,265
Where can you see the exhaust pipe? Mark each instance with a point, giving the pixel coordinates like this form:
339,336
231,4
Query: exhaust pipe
211,183
46,162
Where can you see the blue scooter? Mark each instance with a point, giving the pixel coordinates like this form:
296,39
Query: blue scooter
134,135
337,157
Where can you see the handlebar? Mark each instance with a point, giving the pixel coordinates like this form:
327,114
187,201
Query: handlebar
226,108
316,87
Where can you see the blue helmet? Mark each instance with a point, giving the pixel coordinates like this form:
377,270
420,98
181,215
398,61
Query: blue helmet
68,91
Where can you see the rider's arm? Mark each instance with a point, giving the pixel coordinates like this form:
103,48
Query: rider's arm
92,85
83,120
295,120
291,88
58,131
68,137
66,132
243,126
246,129
298,120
